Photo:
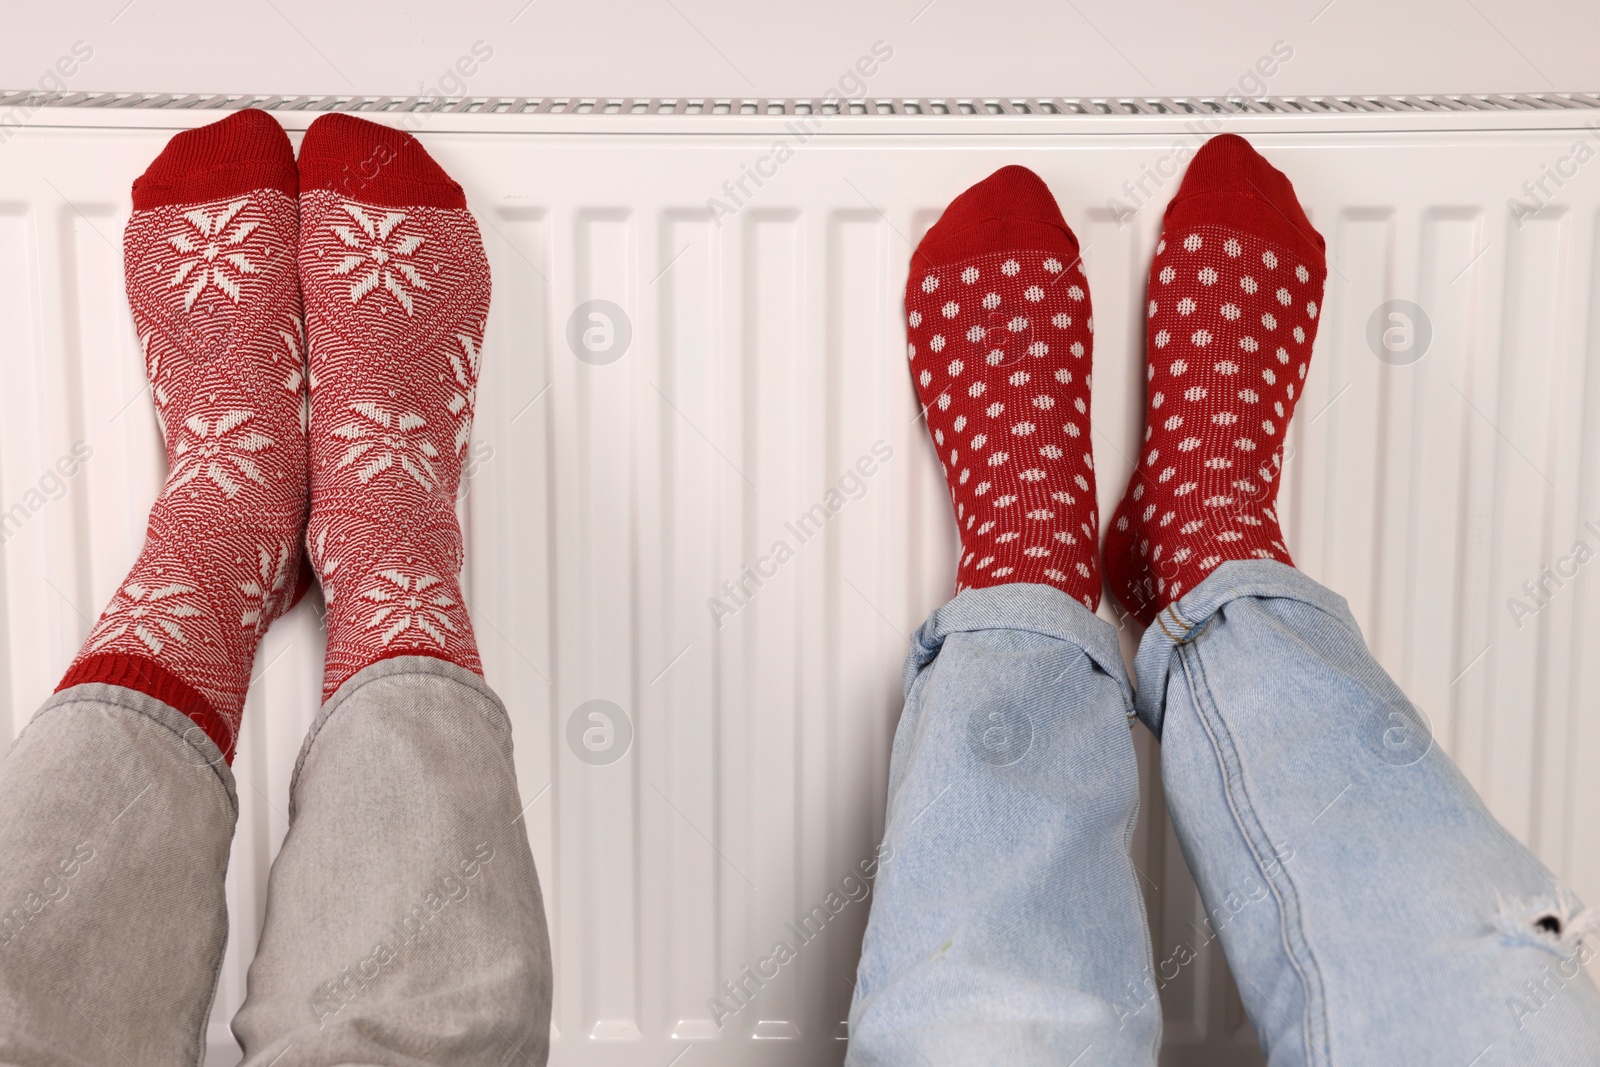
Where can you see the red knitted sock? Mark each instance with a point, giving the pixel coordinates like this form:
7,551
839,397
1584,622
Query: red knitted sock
1234,300
209,257
1000,329
397,289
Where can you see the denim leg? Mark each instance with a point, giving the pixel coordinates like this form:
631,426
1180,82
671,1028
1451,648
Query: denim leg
118,817
1008,925
1371,908
404,921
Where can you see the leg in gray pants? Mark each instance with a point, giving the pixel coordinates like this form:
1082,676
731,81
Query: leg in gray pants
404,921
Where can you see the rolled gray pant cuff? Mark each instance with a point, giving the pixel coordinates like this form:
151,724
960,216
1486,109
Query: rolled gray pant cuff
491,708
198,751
119,815
404,919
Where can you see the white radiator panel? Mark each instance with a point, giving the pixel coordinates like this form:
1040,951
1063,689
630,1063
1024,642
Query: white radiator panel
611,501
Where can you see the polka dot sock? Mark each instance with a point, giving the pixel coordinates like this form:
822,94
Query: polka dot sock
209,258
1234,297
1000,342
396,292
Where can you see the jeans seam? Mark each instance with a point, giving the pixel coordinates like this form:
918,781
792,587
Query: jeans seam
205,1016
1315,1034
1144,912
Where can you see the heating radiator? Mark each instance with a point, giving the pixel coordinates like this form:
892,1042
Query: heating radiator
1445,467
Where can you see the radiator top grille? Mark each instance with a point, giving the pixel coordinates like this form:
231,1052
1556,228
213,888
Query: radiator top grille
1118,107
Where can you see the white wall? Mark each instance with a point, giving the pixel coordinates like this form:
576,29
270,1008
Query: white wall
741,47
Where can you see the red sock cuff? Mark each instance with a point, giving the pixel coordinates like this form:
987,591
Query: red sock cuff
374,164
149,677
247,150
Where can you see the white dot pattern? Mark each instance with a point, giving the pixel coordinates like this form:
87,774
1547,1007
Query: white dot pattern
1232,319
1007,401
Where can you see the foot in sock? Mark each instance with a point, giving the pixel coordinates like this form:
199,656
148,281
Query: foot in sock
1235,294
210,262
1000,342
397,290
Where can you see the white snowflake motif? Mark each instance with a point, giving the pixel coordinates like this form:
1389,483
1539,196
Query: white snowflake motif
219,449
465,366
206,247
326,566
268,593
294,346
409,603
377,244
158,390
294,376
152,614
382,439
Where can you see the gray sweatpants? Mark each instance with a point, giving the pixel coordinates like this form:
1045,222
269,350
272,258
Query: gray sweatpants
404,922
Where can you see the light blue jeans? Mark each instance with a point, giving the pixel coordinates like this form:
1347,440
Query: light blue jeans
1399,923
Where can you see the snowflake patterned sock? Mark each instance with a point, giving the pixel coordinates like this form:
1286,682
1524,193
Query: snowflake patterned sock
1000,342
397,290
209,257
1234,296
